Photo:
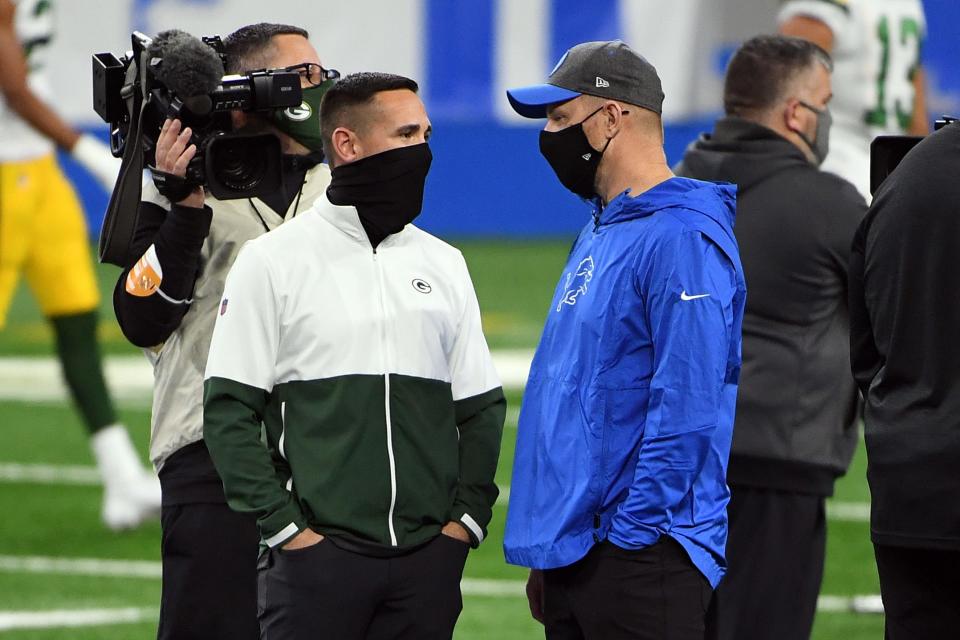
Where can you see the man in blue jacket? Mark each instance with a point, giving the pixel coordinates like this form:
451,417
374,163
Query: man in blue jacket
618,500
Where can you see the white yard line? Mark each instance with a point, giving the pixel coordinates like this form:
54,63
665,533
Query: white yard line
67,618
81,566
479,587
71,475
49,474
152,570
40,379
850,604
848,511
493,588
130,378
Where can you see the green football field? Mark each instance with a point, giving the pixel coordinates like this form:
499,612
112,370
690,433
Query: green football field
62,575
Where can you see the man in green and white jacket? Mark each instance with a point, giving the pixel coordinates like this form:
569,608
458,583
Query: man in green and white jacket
354,338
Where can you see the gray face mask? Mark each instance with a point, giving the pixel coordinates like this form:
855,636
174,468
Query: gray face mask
820,145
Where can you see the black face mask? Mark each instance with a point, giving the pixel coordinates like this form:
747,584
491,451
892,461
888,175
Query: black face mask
572,157
386,188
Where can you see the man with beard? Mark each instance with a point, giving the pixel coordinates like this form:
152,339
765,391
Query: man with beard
363,358
796,420
166,302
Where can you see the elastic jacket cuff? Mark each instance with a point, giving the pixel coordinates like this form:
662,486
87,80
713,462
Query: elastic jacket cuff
475,529
282,525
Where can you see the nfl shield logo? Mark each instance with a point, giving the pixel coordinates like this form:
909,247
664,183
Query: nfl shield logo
223,306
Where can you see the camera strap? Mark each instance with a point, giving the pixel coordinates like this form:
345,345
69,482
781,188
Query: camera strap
296,207
122,214
123,211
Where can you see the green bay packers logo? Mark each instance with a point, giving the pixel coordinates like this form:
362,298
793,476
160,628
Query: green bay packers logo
299,114
421,285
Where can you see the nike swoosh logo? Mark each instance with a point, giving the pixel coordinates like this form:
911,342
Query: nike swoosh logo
685,297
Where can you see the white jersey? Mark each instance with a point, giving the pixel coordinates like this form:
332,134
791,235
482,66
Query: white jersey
33,25
876,50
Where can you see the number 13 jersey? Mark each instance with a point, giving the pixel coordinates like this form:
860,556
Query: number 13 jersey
876,52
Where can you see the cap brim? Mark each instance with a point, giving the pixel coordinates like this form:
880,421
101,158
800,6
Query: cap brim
532,102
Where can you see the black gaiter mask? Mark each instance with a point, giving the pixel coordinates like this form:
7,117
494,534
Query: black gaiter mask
386,188
572,158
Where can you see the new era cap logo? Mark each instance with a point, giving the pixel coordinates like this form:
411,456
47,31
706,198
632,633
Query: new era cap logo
587,156
601,83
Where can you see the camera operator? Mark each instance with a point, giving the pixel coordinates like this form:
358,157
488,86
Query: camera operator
166,302
905,352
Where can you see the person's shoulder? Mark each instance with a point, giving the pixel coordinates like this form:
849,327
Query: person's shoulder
288,241
443,256
700,199
836,14
833,190
432,243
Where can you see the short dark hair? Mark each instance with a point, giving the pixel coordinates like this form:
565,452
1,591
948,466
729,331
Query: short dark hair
762,69
250,47
354,90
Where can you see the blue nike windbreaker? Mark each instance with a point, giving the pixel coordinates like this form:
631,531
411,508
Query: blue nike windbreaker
627,417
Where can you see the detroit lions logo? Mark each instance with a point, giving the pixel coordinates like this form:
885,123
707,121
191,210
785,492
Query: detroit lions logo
576,284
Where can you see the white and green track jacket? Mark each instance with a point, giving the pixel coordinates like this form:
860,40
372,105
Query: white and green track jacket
371,376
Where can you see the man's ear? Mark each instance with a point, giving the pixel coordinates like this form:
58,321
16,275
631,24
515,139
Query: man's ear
612,116
790,118
345,145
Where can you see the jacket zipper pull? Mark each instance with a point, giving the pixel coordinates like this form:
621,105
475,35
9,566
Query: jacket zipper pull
596,526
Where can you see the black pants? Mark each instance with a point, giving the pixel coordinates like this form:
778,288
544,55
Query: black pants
775,552
323,591
612,594
209,574
921,592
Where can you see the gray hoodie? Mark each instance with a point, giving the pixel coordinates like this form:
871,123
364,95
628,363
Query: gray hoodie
795,427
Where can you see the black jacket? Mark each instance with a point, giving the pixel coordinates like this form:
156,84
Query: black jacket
795,427
905,345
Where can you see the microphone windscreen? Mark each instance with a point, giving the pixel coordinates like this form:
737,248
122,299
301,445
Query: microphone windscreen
186,65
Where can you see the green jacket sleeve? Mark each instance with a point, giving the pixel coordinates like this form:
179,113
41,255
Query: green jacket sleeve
480,422
480,411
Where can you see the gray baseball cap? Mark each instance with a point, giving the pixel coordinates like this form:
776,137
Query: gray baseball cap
608,69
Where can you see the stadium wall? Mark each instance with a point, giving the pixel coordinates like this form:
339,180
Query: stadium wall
488,178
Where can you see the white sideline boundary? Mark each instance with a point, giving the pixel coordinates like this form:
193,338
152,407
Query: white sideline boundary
13,472
73,618
130,378
70,618
152,570
70,475
478,587
81,567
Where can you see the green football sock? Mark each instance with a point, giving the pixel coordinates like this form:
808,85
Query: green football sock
79,354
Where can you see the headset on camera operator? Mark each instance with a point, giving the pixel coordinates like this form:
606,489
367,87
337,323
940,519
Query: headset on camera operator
166,300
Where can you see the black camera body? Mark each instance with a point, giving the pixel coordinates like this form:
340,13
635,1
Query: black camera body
178,76
886,152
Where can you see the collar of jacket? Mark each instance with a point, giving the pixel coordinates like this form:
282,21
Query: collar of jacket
694,195
746,135
346,219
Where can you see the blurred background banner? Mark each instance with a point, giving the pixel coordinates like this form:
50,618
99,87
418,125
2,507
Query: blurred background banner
488,178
